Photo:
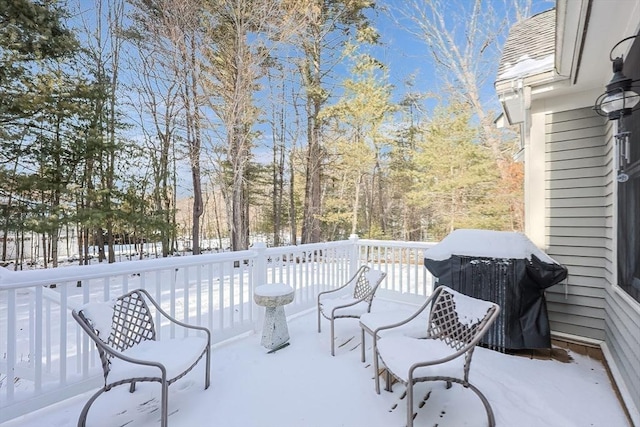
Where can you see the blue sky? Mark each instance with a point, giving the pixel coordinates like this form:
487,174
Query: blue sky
404,54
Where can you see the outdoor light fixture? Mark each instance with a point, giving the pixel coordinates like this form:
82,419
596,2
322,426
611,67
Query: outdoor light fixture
619,100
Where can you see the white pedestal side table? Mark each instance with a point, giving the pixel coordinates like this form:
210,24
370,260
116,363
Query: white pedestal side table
274,296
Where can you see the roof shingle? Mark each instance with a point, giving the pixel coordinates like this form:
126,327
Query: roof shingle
530,45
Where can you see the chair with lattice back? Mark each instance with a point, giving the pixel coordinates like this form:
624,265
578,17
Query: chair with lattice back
350,300
442,352
125,336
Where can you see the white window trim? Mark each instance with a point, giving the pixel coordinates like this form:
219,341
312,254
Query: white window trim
635,305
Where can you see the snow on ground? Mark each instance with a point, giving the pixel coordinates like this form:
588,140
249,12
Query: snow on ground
303,386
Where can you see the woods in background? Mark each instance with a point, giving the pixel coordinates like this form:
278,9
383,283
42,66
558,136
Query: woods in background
223,119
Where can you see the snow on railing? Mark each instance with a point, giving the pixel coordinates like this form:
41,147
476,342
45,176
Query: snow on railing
45,357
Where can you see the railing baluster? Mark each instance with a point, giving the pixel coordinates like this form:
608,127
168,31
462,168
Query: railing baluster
106,293
48,335
232,282
251,287
38,340
172,302
221,293
210,282
11,343
199,294
63,332
158,286
185,295
241,285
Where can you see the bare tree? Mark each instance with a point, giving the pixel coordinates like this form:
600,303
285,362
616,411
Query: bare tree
462,38
179,24
155,96
243,34
326,25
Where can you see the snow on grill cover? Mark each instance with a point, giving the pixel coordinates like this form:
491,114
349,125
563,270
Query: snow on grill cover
505,268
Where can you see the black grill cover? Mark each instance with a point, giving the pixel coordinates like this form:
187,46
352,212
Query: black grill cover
516,283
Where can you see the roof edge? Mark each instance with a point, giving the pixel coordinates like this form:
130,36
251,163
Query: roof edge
571,18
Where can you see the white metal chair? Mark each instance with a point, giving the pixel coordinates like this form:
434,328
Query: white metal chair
456,323
125,336
350,300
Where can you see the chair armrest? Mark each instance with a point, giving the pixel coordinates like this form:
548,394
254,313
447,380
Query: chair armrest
410,318
352,303
355,301
349,282
173,319
452,356
333,290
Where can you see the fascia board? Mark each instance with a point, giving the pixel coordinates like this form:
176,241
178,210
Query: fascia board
571,16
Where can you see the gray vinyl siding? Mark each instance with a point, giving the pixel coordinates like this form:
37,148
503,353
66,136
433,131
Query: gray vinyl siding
577,218
622,328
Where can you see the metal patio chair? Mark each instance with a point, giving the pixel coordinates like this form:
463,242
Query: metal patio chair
350,300
456,323
125,336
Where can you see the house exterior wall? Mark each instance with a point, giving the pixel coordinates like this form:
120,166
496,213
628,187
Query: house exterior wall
622,330
576,219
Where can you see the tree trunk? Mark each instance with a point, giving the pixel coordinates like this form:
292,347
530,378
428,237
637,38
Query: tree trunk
311,231
356,203
292,205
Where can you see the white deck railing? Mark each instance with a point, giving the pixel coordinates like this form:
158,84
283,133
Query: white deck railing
44,356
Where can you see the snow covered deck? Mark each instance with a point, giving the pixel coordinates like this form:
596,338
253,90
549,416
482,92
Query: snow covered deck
303,386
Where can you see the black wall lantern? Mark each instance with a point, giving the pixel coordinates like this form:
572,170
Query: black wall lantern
618,101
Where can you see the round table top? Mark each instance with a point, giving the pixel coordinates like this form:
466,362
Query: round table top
273,294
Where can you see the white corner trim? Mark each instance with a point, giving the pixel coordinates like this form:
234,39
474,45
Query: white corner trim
633,304
630,403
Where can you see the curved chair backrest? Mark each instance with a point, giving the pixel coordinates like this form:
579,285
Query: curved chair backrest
131,323
459,320
367,281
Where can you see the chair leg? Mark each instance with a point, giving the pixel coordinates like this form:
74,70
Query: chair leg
490,417
207,377
387,380
82,420
410,403
376,368
362,344
333,342
164,422
318,318
132,387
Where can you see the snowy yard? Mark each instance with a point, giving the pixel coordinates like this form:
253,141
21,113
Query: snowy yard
303,386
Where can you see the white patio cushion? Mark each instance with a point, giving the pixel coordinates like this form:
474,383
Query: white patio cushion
399,353
329,304
177,355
